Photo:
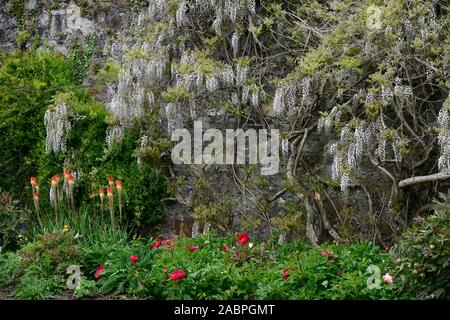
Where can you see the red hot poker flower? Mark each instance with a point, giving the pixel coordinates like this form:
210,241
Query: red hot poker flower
111,181
243,238
70,179
285,274
98,272
33,181
134,259
192,248
36,195
119,185
177,275
102,193
66,173
109,191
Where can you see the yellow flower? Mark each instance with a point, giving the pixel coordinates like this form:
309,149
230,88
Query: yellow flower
66,228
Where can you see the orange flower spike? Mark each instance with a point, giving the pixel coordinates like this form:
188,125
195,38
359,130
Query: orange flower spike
54,181
119,185
109,192
102,193
111,181
36,195
33,181
66,173
70,180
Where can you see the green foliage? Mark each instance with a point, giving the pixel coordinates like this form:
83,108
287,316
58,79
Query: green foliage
35,287
121,276
86,289
11,219
9,268
28,82
54,251
423,257
80,55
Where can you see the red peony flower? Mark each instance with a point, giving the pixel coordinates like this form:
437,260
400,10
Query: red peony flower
98,272
243,238
157,243
134,259
168,242
323,253
177,275
285,274
329,252
192,248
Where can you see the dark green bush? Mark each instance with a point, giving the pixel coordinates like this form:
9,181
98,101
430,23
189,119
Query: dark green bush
423,256
28,81
11,221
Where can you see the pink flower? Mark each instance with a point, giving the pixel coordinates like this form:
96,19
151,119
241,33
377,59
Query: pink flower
192,248
243,238
177,275
98,272
329,252
285,274
387,278
165,270
134,259
323,253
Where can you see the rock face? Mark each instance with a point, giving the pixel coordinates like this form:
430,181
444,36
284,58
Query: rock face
59,22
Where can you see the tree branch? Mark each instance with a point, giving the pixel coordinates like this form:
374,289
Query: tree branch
423,179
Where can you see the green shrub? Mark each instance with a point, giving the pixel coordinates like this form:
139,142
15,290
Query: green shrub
121,276
86,289
9,268
28,81
53,251
34,287
422,256
11,220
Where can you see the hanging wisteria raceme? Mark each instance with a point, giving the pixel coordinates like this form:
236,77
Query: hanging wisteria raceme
284,99
181,14
348,152
58,126
325,122
143,143
444,137
285,146
114,135
235,44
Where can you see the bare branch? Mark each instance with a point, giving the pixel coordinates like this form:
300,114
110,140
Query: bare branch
423,179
